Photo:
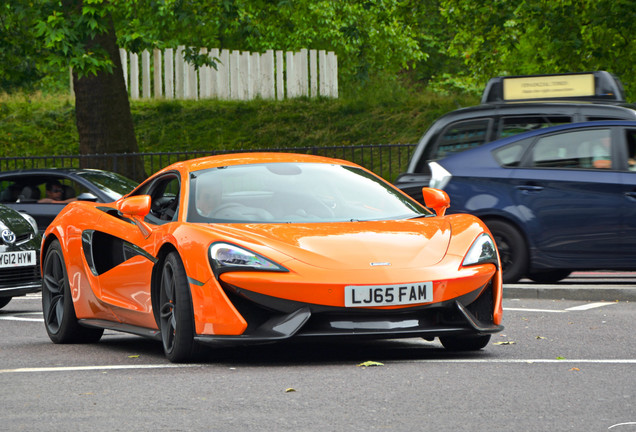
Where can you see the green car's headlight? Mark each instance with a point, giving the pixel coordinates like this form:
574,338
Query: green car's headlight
482,251
228,257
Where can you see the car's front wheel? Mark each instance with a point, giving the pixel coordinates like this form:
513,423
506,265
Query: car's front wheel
464,343
513,251
176,316
4,301
57,306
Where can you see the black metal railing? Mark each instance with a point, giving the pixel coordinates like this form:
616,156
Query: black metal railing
386,160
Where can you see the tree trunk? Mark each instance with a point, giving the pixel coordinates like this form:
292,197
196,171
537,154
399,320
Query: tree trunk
103,116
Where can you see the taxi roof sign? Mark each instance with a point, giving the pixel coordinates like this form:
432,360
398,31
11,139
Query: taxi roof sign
599,86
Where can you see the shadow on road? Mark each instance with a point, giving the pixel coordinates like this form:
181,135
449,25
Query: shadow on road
298,353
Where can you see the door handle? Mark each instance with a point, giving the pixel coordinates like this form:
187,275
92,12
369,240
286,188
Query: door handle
631,195
530,188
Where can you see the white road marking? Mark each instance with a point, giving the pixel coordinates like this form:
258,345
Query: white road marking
456,361
94,368
582,307
31,296
534,310
16,318
518,361
623,424
590,306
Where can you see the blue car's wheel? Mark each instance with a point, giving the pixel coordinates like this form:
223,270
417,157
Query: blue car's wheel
549,276
512,250
176,317
4,301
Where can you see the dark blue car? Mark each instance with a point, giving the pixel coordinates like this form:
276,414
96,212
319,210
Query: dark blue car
557,199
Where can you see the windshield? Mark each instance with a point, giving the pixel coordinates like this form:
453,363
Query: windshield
112,184
295,192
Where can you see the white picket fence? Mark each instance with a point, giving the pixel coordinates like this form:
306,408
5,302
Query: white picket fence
239,75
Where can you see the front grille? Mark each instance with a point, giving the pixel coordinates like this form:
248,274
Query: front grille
10,277
23,238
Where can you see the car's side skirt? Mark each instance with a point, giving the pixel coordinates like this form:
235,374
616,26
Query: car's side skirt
126,328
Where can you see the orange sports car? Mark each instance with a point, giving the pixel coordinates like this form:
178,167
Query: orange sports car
265,247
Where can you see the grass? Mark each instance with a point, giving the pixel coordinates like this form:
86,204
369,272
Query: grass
36,124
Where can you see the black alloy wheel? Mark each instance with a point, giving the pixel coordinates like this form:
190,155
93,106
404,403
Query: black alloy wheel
57,306
176,317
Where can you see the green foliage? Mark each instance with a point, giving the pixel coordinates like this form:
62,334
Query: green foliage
32,125
447,45
18,61
532,37
65,27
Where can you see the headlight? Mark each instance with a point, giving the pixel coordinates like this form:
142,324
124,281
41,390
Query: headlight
30,219
227,257
482,251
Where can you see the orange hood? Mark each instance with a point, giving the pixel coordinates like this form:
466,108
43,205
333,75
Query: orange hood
352,245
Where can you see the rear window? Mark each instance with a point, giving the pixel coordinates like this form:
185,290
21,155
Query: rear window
459,137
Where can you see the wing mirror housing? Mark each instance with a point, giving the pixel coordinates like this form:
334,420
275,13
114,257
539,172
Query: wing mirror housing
136,207
436,199
87,196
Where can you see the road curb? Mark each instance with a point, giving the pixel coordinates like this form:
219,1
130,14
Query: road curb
570,293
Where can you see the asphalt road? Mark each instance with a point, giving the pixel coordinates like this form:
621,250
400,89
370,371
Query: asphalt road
560,365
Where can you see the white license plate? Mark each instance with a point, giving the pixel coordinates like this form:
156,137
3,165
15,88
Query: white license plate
17,259
388,295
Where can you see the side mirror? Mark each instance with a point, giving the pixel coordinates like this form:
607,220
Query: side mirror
137,207
87,196
436,199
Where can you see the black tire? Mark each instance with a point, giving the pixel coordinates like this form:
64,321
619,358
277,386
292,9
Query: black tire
4,301
57,305
549,276
513,250
464,343
176,319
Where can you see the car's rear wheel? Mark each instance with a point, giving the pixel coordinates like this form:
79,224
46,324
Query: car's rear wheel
549,276
4,301
464,343
57,306
176,317
513,250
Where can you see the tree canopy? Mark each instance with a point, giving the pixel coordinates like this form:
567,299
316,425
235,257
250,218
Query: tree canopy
505,37
449,44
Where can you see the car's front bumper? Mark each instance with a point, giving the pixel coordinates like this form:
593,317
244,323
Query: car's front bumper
20,290
470,314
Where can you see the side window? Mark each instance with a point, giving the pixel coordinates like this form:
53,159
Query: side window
509,126
462,136
578,149
9,191
164,194
511,155
631,149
